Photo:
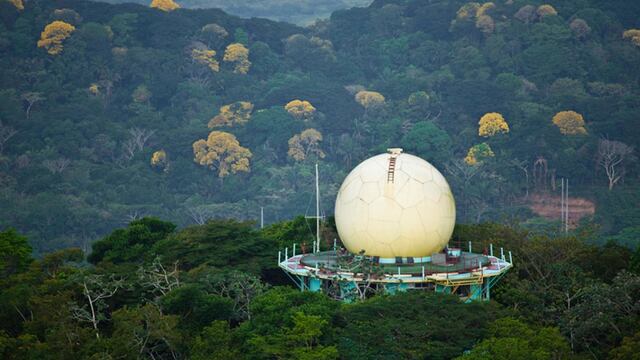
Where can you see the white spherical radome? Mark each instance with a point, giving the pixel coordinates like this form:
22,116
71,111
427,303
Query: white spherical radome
410,213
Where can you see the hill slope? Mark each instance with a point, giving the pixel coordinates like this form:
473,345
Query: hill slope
300,12
131,81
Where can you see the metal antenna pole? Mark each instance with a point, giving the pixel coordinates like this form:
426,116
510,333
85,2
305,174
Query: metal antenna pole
562,200
566,211
317,209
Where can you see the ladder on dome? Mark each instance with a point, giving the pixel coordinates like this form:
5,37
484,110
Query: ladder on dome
392,169
392,163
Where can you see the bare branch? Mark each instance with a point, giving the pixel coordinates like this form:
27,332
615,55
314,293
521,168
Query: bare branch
57,166
140,137
158,279
31,98
199,214
611,155
95,288
133,215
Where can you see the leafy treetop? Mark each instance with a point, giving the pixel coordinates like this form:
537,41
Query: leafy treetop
491,124
239,55
222,152
570,123
477,153
53,35
237,113
300,109
164,5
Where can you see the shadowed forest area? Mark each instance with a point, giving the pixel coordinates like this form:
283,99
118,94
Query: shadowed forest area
130,134
301,12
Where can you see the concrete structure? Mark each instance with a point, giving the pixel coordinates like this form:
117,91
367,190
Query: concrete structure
395,215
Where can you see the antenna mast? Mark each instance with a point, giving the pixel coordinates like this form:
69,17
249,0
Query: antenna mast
566,204
317,210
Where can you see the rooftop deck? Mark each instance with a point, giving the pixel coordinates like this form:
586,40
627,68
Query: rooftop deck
332,265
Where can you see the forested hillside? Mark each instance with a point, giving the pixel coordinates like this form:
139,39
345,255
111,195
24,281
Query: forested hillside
113,117
300,12
113,112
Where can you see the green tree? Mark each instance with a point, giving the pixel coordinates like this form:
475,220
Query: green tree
628,349
512,339
605,313
241,36
427,140
132,243
123,27
291,324
423,324
195,307
15,253
144,331
218,243
214,343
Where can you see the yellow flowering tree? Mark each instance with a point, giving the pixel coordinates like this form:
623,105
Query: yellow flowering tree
491,124
570,123
369,99
467,11
206,57
94,89
53,35
159,159
633,35
239,55
478,153
479,12
300,109
221,152
237,113
484,9
304,144
164,5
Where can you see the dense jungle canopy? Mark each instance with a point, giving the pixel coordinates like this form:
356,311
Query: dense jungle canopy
130,134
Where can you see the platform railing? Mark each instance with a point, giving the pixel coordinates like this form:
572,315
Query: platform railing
472,264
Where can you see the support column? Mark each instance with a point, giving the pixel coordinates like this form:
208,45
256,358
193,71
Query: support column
392,288
487,290
475,292
315,284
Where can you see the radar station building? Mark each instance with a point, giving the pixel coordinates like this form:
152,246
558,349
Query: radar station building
395,215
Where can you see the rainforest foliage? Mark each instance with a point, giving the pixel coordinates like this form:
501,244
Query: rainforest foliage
115,116
214,291
302,12
109,113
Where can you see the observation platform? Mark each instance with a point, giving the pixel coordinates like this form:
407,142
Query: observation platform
345,275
